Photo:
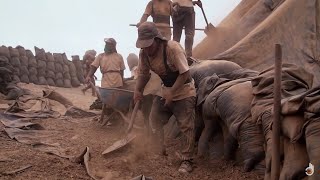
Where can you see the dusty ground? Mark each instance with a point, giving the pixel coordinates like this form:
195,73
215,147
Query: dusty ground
76,134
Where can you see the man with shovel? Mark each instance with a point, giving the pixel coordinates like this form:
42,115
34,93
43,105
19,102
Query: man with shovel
183,16
168,60
160,11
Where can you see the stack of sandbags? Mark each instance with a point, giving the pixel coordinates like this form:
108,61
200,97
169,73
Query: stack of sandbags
51,69
79,67
32,67
15,62
42,65
59,69
24,64
66,72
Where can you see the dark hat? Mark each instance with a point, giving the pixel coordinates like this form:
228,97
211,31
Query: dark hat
147,31
110,40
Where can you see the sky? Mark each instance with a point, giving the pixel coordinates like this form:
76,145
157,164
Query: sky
74,26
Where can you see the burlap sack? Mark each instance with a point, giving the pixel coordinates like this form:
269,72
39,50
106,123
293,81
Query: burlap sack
24,78
22,51
24,61
40,53
15,61
49,57
16,71
72,70
51,82
66,76
51,66
33,62
13,52
41,72
4,59
16,78
33,79
58,58
75,82
29,54
42,80
50,74
4,51
42,64
59,83
67,83
65,58
59,75
33,71
58,68
24,70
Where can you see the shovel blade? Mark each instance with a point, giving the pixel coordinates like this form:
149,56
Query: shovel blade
210,28
119,144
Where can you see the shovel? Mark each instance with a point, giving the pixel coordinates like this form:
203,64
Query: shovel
128,136
210,26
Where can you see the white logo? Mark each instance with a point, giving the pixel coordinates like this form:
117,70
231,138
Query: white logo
310,170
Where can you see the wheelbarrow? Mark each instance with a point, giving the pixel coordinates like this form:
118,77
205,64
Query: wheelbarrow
120,100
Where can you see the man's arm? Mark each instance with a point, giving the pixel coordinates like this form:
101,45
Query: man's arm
93,69
146,14
141,84
121,72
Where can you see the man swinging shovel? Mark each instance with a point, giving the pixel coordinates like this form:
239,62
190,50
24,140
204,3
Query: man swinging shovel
183,16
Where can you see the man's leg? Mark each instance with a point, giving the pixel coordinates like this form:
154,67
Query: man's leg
177,30
189,22
184,111
158,117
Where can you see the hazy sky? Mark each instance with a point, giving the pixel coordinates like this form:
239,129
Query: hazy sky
74,26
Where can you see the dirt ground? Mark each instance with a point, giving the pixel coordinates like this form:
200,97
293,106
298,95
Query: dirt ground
77,134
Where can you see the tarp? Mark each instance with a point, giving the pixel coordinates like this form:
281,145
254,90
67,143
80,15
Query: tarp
251,34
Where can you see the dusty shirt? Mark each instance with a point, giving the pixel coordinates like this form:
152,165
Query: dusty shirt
110,67
184,3
176,60
156,7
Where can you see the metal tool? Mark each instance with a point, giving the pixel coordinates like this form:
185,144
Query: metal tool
210,26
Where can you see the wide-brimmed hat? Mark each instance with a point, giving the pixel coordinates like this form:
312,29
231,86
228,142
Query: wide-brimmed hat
110,40
147,31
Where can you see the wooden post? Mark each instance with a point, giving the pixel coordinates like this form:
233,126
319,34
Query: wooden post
275,166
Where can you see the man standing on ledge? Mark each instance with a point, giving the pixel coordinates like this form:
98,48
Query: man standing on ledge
111,66
183,16
168,60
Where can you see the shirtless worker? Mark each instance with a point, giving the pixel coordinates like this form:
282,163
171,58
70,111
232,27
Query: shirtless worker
168,60
160,11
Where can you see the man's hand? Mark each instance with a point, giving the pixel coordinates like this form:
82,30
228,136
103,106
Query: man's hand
137,96
199,3
138,24
168,98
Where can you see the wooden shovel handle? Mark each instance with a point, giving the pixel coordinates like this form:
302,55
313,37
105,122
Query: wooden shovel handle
133,116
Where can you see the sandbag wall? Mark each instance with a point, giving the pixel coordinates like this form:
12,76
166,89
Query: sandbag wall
43,68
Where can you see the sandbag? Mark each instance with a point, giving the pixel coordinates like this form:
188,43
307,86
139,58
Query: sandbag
79,69
33,71
75,82
66,76
24,78
291,126
65,68
67,83
33,79
41,72
24,61
13,52
295,160
64,58
33,62
24,70
4,51
15,61
59,83
72,70
40,53
49,57
58,68
42,64
58,58
51,82
50,74
51,66
42,80
29,54
16,71
16,78
75,58
4,59
22,51
59,76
